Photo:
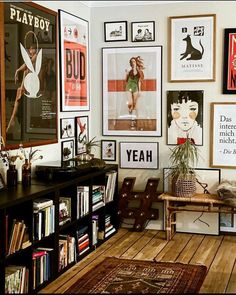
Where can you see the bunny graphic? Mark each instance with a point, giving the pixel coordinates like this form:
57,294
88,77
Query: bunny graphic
31,80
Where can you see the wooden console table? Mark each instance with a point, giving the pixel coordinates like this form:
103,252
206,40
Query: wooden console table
173,204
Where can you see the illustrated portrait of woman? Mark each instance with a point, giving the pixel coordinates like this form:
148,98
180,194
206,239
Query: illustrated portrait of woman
184,116
134,78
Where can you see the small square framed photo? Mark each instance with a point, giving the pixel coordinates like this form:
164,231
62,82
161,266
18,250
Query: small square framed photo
67,127
108,150
143,31
67,150
115,31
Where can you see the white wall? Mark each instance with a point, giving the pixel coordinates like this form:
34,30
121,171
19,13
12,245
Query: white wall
225,18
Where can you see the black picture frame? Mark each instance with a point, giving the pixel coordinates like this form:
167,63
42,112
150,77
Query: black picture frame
29,116
108,150
115,31
229,64
177,129
69,145
143,31
81,133
67,127
139,155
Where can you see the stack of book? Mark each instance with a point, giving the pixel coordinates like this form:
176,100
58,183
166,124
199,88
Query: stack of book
17,236
44,218
110,185
109,228
64,210
16,279
82,201
67,251
42,258
98,192
82,240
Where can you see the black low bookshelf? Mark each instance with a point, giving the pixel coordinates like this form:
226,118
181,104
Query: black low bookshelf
48,227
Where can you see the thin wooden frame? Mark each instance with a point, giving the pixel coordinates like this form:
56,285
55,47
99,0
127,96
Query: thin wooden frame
184,116
223,122
119,116
115,31
82,133
67,129
227,223
143,31
229,64
139,155
33,123
108,150
74,61
67,150
192,48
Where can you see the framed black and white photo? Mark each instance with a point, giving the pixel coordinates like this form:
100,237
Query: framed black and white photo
108,150
143,31
223,122
67,150
132,106
67,127
74,61
184,116
115,31
207,180
139,155
192,48
82,133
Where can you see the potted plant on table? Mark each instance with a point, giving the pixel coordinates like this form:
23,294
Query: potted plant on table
183,157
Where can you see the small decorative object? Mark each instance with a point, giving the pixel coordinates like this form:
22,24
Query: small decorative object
143,31
183,175
97,163
30,157
11,175
227,192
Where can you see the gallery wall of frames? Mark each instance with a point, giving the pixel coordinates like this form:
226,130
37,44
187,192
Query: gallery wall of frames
139,118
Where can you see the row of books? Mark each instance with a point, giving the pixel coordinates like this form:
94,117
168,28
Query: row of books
17,236
82,201
67,251
98,194
16,279
42,258
43,219
83,241
110,185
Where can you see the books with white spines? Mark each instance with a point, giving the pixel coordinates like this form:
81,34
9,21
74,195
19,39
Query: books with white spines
82,200
98,205
94,231
110,185
41,203
111,231
83,251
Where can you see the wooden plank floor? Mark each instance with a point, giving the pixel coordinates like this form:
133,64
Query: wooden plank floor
218,253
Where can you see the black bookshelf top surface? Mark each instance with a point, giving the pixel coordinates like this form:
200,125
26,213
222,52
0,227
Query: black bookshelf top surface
16,195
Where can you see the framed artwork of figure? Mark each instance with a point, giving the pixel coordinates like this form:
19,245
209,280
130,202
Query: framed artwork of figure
132,91
184,116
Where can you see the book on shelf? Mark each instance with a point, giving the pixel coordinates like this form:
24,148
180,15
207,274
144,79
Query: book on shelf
42,203
16,279
64,210
82,201
16,236
110,185
67,253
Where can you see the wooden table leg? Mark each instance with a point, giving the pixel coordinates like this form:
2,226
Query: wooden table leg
167,220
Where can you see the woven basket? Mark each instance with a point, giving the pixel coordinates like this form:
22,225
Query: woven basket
184,187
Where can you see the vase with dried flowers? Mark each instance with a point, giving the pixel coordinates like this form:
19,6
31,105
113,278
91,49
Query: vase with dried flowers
9,160
30,157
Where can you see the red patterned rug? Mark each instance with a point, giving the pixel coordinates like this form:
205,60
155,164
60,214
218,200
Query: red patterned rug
125,276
